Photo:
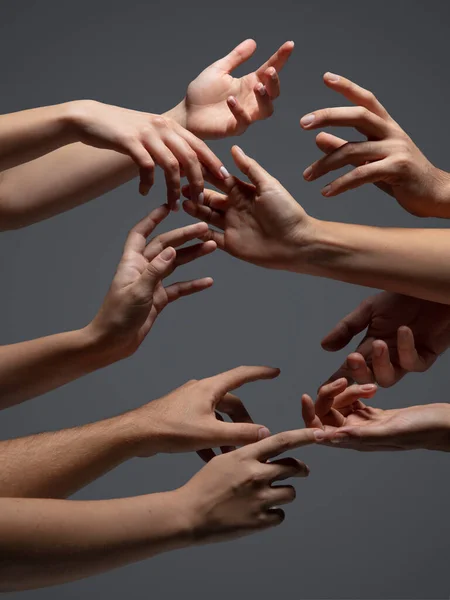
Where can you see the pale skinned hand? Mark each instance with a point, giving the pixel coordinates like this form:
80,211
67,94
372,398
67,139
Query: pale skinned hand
234,494
389,158
188,419
403,335
150,140
259,222
137,294
218,105
346,422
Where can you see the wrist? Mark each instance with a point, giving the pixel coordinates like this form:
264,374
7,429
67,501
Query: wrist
96,348
178,113
439,438
76,115
440,197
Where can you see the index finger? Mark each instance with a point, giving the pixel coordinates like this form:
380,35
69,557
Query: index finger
205,155
277,60
355,93
230,380
139,233
279,443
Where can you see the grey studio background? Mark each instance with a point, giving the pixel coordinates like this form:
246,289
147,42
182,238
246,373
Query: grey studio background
363,526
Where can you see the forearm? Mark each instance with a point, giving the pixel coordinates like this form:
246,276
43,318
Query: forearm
31,368
415,262
57,464
48,542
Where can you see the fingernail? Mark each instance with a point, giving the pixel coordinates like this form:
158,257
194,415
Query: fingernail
263,433
368,387
232,101
201,198
326,190
177,206
167,253
378,351
352,364
262,90
339,438
307,173
307,119
239,149
224,172
319,435
336,383
332,77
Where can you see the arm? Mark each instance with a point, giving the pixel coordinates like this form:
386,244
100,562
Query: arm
55,465
48,542
134,301
263,224
216,105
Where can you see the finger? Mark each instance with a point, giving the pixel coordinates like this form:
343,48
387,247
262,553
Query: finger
187,255
362,437
186,288
271,82
326,395
238,434
271,518
211,198
233,406
235,378
277,495
351,153
264,101
348,327
154,272
279,443
309,413
383,369
360,118
164,158
408,356
242,116
284,468
328,143
277,60
353,393
139,233
368,173
237,56
223,449
175,238
205,155
205,214
257,175
355,93
146,180
189,161
206,455
359,370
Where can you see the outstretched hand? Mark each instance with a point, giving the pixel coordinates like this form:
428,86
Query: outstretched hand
218,105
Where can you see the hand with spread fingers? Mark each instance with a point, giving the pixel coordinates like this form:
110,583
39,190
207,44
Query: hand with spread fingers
188,419
137,294
259,222
403,335
389,158
218,105
340,419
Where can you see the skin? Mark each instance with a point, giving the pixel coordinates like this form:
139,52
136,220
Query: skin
57,464
402,335
232,496
136,297
388,158
260,222
55,179
341,420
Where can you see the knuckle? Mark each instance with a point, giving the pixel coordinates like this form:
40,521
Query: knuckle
171,165
160,122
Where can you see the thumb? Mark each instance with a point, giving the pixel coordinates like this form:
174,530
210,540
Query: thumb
155,271
253,170
348,327
240,434
369,435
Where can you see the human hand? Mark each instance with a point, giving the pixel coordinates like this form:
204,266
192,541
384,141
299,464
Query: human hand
233,494
389,158
219,105
149,140
259,222
340,419
403,334
137,294
188,419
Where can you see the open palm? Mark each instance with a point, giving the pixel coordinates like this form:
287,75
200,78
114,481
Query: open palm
403,334
259,222
219,105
